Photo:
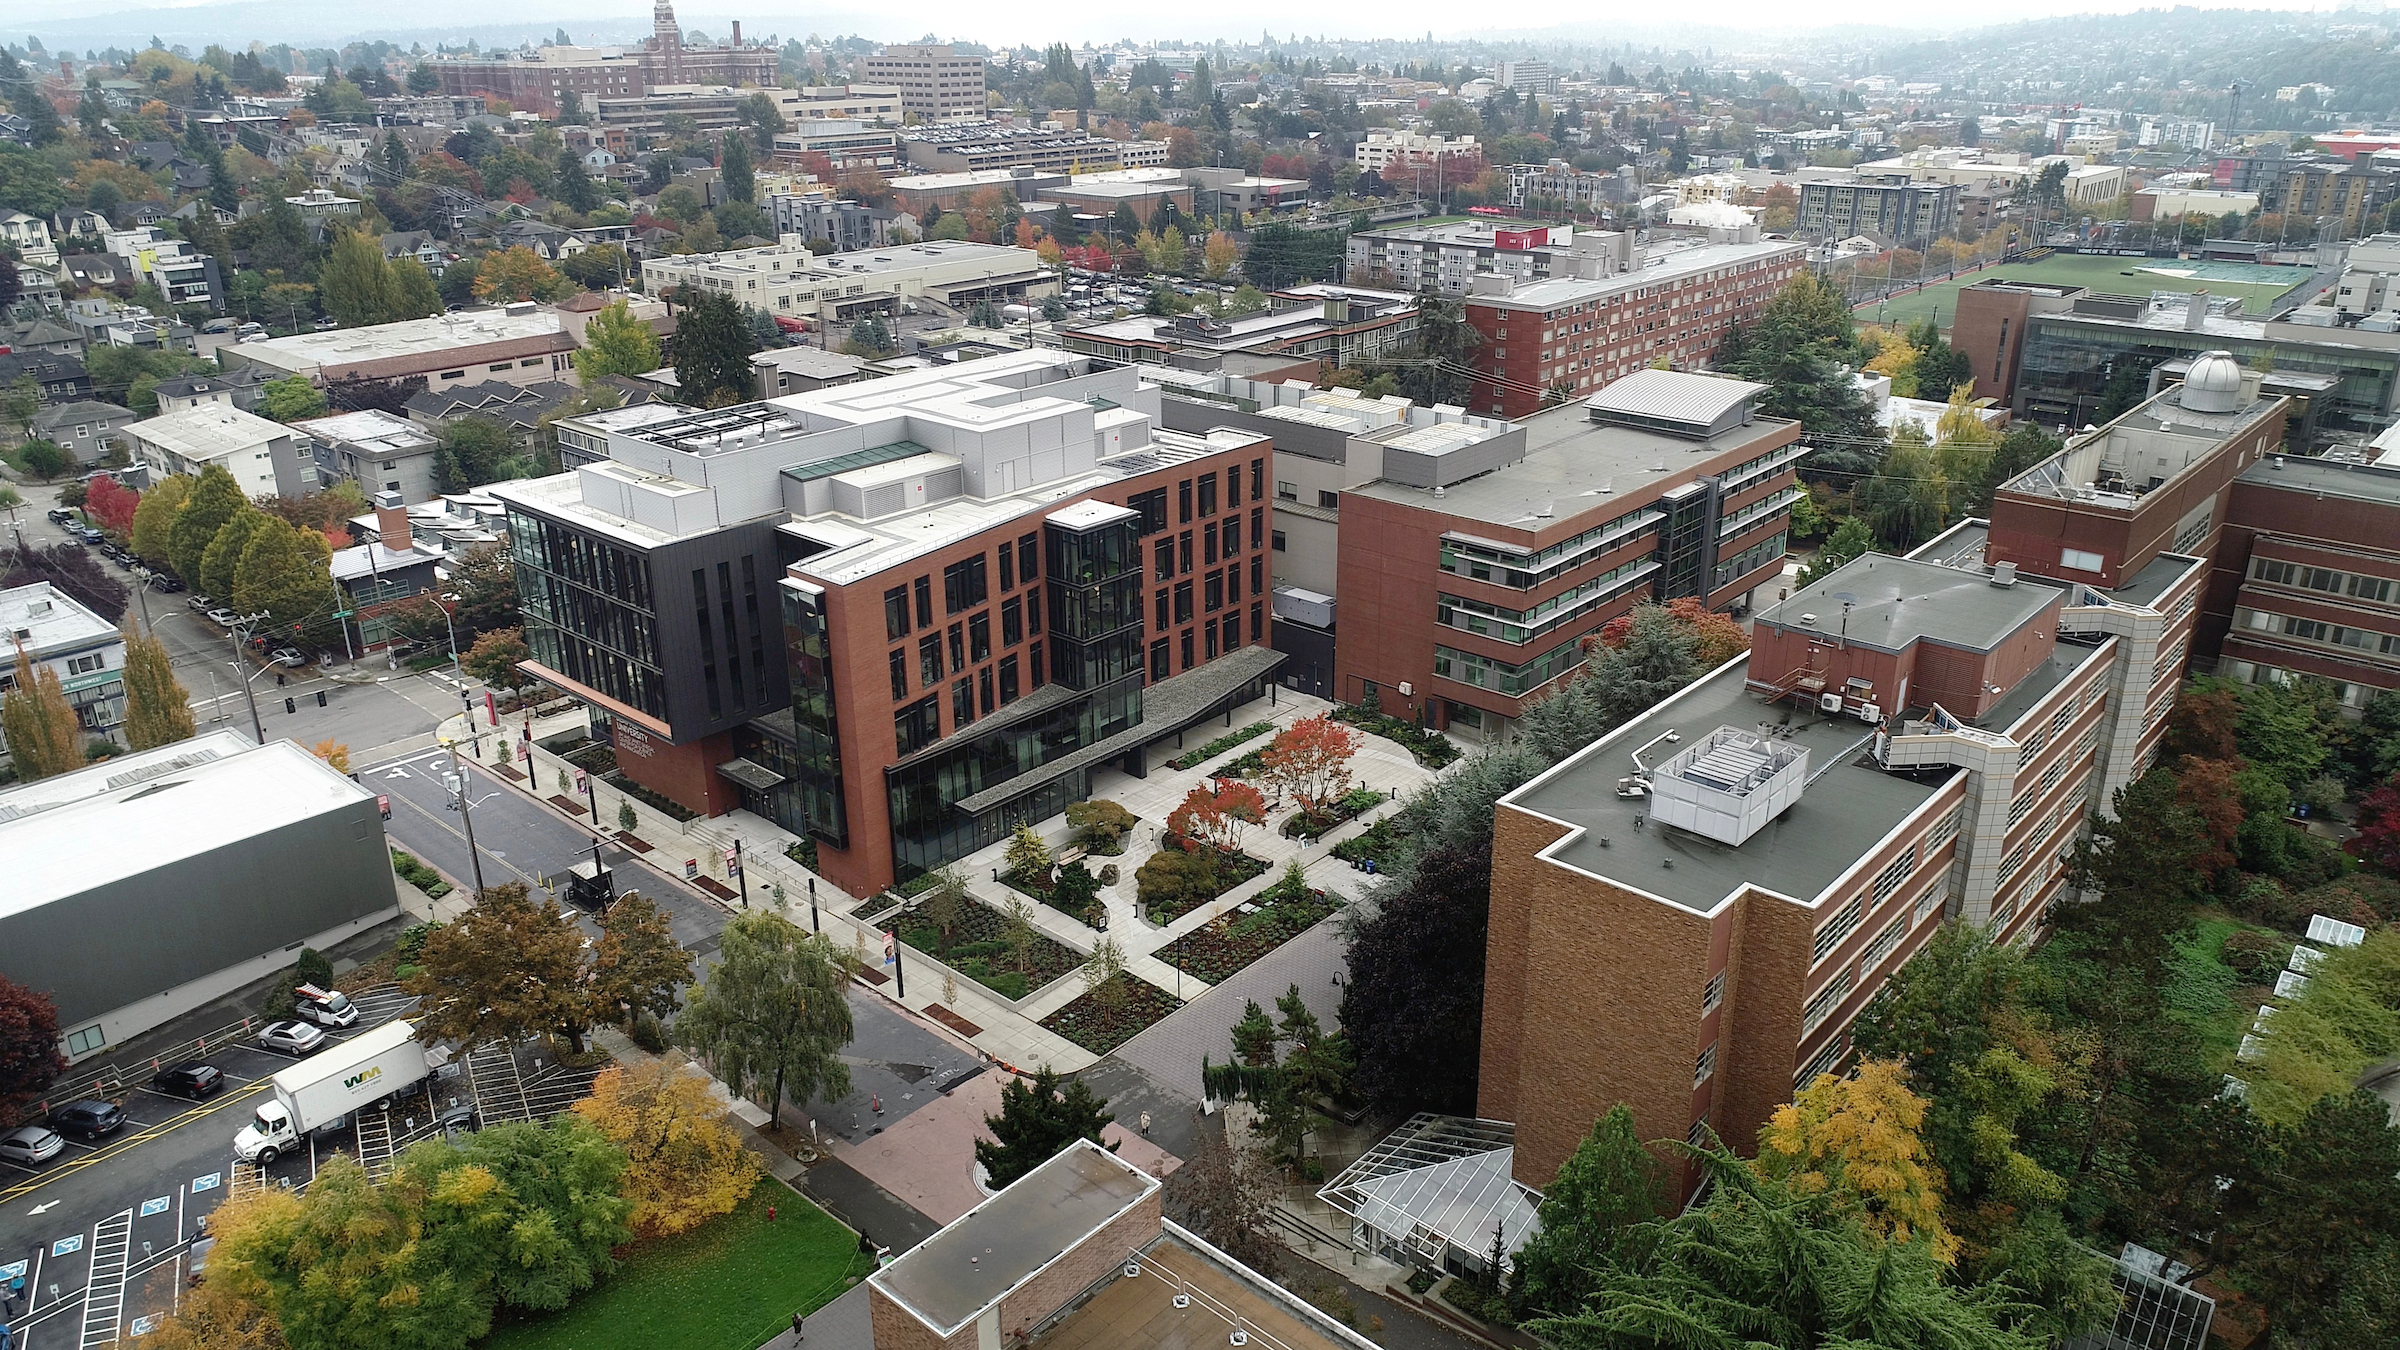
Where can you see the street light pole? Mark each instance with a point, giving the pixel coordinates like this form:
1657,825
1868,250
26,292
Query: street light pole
237,631
466,815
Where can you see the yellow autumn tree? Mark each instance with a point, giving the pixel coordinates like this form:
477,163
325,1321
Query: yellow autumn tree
1857,1139
685,1166
1219,255
335,754
231,1311
1894,357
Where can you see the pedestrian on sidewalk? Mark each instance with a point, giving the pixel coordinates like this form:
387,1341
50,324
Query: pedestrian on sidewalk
797,1333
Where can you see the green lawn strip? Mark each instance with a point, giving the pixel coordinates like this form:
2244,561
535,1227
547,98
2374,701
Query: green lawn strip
2114,276
727,1285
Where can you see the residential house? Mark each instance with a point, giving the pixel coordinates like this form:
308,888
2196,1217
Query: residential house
419,245
46,336
797,370
84,428
390,568
29,236
236,388
59,379
374,450
60,636
264,457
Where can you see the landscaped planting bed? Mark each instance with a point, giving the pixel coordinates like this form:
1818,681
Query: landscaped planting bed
1349,806
1100,1028
1224,945
979,950
1432,749
1193,759
648,798
1232,870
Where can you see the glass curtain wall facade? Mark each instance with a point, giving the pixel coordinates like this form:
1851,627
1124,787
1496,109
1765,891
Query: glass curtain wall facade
588,610
1095,631
816,729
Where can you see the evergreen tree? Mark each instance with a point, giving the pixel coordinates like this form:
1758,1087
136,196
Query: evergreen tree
38,723
394,154
286,572
155,517
1037,1122
355,284
741,185
157,710
1609,1184
26,96
224,553
215,498
713,344
412,294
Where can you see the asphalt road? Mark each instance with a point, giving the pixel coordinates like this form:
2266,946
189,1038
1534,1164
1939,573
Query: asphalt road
519,839
99,1232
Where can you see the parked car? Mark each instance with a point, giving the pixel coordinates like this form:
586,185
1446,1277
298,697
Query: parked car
290,1038
30,1146
200,604
325,1007
87,534
60,515
91,1118
287,656
191,1078
456,1120
166,582
223,618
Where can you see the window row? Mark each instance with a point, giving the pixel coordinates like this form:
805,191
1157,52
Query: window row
2378,590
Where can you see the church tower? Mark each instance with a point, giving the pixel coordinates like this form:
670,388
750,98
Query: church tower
666,45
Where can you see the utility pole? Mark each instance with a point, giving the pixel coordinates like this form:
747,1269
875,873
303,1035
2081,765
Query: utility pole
239,632
466,815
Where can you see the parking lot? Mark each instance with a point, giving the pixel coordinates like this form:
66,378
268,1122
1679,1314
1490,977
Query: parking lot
101,1234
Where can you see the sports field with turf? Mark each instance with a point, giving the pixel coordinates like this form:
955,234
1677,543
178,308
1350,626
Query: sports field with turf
2256,285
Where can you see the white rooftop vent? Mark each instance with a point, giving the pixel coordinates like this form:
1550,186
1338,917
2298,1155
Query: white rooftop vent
1728,784
2213,384
2004,574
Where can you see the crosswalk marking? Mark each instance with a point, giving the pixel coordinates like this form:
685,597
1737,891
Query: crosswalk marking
104,1293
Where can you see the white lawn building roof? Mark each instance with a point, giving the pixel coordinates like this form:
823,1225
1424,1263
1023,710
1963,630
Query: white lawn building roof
153,809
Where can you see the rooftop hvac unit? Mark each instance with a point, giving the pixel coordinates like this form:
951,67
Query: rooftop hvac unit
1831,703
1870,714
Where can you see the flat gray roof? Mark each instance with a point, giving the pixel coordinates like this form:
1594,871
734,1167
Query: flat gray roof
949,1279
1573,465
1674,394
1848,806
2331,477
1892,602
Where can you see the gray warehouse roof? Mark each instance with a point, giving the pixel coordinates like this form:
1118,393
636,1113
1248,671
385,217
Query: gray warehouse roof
63,836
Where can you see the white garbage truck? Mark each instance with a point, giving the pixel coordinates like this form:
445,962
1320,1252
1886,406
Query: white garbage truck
322,1090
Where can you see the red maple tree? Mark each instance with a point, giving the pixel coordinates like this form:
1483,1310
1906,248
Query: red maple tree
2378,838
1311,760
1719,638
1214,815
29,1057
111,503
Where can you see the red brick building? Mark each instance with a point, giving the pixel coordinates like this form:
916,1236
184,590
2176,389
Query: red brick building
1579,334
2307,578
899,617
537,83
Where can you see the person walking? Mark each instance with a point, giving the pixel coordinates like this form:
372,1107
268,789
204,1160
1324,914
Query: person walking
797,1333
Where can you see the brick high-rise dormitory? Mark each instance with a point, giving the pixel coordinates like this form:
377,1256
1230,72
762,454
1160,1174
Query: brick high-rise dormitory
1687,915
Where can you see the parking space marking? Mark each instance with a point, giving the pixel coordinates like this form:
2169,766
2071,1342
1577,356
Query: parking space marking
67,1246
143,1326
156,1205
12,1270
127,1141
206,1183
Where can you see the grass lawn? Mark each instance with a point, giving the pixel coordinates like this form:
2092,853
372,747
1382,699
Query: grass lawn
2116,276
727,1285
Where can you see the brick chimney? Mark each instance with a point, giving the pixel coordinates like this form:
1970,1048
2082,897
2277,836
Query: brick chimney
391,521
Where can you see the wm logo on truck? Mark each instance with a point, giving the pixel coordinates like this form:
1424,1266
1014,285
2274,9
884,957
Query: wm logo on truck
362,1079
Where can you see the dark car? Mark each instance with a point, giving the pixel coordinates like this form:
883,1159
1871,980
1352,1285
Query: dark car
166,582
90,1118
60,515
87,534
194,1080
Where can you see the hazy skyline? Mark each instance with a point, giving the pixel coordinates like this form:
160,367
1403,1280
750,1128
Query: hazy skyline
70,23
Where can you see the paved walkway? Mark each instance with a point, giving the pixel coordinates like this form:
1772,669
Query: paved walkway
1007,1032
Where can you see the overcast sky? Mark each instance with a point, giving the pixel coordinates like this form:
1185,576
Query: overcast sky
979,20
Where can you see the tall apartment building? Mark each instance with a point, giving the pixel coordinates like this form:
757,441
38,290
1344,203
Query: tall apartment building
1560,339
899,617
1908,740
1893,208
1399,154
1452,564
1448,258
539,81
935,81
1527,77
